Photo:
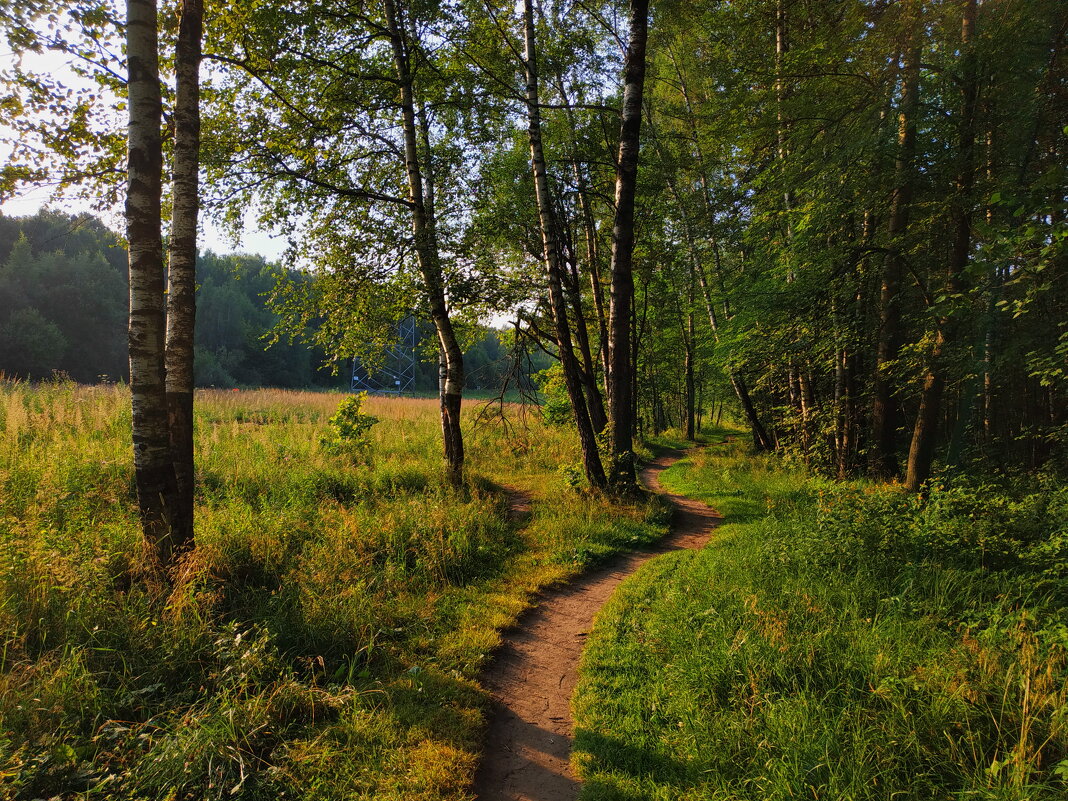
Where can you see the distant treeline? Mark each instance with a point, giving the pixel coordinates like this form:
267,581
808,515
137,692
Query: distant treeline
63,298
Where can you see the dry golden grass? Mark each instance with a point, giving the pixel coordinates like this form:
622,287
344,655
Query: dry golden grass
329,629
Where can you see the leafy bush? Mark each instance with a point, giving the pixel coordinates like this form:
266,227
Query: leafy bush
573,475
972,524
348,426
556,405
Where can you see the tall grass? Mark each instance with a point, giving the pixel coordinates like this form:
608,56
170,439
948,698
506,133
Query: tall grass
328,631
837,642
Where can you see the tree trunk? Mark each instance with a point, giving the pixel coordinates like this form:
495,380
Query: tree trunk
841,413
782,47
921,450
884,408
588,373
793,371
181,293
989,330
638,329
591,459
690,389
699,411
761,440
847,395
621,378
598,302
593,260
807,405
157,487
424,229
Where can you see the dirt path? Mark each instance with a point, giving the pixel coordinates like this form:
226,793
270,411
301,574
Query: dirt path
532,678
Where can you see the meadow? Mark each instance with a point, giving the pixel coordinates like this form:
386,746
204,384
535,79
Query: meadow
837,641
324,639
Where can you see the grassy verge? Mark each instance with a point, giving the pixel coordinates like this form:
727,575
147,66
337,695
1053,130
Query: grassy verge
326,640
674,439
837,642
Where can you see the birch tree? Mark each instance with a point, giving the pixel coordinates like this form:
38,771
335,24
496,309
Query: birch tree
181,292
553,260
157,485
351,131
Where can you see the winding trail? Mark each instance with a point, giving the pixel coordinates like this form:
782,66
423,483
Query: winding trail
528,743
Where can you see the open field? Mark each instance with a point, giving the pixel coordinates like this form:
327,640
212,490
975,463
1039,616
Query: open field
837,641
326,637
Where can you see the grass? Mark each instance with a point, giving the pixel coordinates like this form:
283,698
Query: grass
675,439
484,395
837,642
327,636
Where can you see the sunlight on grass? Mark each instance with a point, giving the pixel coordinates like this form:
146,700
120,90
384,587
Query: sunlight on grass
330,627
835,641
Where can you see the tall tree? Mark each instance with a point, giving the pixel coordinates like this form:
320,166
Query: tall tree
924,432
885,413
350,115
621,379
157,486
181,273
424,229
553,259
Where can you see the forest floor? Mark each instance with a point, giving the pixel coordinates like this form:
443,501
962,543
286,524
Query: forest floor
532,678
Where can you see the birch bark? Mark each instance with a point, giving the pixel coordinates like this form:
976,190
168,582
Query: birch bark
181,293
424,230
153,468
553,260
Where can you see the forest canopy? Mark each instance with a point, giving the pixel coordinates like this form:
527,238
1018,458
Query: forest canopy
846,224
63,296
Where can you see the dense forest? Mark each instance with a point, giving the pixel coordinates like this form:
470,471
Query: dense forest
848,222
790,278
63,295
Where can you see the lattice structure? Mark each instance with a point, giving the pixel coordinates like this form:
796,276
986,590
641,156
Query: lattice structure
396,375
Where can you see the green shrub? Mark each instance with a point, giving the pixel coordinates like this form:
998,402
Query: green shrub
573,475
349,427
556,405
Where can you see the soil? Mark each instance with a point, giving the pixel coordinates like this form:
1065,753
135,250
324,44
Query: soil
528,743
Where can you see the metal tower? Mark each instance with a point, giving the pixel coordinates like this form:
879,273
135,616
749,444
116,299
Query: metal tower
396,375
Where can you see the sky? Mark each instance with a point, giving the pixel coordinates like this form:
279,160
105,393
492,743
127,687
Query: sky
211,236
30,199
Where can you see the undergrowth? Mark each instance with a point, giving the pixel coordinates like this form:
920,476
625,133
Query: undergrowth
837,642
326,636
